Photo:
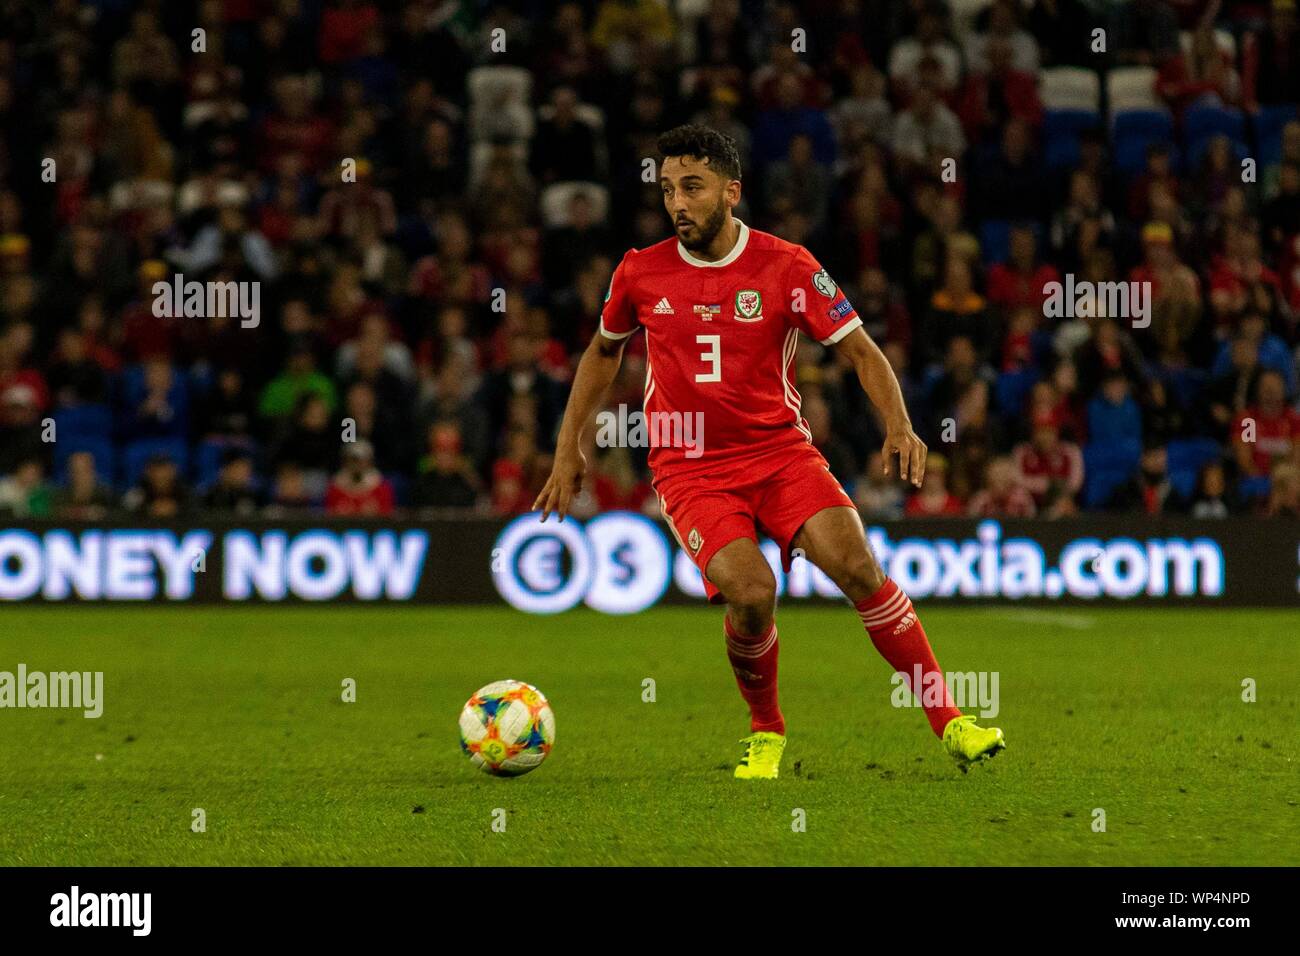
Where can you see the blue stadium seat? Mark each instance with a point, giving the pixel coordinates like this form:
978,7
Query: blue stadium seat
1268,124
132,392
207,458
1186,385
100,446
1251,488
1196,152
1062,151
1069,122
1012,388
1202,122
401,487
200,379
1106,467
77,421
1100,485
1131,154
131,383
1132,131
207,462
1184,459
138,452
930,377
1118,454
1150,124
995,240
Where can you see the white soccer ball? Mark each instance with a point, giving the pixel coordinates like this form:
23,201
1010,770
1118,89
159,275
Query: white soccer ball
507,728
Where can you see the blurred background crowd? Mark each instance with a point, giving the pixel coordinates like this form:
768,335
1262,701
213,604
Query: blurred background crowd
439,302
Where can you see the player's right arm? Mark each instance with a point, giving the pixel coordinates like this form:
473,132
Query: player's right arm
596,371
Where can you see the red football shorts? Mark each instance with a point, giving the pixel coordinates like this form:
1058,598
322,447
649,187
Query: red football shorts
771,494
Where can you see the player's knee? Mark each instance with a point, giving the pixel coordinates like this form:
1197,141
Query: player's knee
759,595
860,576
752,602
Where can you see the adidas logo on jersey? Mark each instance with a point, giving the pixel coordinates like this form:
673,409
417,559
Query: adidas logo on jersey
662,307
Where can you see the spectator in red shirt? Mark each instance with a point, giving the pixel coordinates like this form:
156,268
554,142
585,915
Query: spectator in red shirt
515,474
1267,432
1020,280
280,217
1205,75
1290,278
293,129
1055,401
1003,496
989,98
934,500
1159,169
92,323
1050,469
144,334
1235,277
344,28
1018,346
358,487
16,374
615,483
784,62
347,205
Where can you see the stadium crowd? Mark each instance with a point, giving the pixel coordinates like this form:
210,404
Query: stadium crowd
433,194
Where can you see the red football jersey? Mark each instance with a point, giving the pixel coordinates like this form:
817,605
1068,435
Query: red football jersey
720,344
1275,435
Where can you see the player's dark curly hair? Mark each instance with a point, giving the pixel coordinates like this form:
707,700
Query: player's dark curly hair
702,143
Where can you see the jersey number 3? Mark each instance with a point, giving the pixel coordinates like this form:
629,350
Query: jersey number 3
713,356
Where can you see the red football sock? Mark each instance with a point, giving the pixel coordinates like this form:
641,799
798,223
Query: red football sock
753,659
899,637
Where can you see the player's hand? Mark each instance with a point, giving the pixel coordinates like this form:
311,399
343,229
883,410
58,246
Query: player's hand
904,443
563,485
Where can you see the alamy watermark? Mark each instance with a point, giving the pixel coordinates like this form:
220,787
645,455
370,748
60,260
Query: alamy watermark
969,689
636,429
207,300
79,690
1115,300
75,908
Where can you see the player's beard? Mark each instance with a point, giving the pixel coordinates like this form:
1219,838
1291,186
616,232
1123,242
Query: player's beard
708,231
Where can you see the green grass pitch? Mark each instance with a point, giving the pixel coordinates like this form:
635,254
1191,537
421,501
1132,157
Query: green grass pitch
239,712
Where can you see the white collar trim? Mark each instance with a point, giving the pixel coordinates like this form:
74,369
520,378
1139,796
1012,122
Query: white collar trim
742,240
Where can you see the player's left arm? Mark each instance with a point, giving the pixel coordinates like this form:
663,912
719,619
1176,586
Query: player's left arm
821,310
881,385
